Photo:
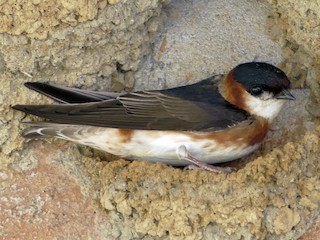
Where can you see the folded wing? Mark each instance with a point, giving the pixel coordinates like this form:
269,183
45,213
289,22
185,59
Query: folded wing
197,107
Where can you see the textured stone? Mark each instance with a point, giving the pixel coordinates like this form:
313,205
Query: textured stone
299,22
208,37
49,201
54,189
303,22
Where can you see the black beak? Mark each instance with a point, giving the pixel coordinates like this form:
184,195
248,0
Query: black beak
285,95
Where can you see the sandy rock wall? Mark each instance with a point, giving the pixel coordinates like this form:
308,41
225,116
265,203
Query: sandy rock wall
76,39
38,18
303,22
54,189
300,22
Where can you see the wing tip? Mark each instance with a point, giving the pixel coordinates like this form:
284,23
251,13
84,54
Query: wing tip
29,109
30,84
36,86
18,107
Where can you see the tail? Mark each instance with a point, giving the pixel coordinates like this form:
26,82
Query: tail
47,130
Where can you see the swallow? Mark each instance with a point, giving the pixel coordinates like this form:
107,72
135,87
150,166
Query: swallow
219,119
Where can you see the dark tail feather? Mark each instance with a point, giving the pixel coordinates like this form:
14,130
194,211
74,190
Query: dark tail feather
70,95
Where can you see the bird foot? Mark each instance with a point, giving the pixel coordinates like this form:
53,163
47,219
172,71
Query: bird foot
184,154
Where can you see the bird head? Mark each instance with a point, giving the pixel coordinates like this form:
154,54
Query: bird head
258,88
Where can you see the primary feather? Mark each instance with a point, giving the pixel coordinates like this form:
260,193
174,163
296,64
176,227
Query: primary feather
70,95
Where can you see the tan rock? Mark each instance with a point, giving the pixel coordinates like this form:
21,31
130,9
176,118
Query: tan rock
54,189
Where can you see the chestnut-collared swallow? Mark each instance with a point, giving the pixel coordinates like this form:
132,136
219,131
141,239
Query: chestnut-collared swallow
219,119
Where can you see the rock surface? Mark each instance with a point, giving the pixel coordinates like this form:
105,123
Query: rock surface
53,189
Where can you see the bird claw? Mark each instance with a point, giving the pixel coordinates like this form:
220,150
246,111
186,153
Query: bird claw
184,154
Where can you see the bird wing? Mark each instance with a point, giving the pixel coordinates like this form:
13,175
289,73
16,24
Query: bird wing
70,95
197,107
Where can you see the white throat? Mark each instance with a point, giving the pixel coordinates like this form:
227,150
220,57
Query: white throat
267,109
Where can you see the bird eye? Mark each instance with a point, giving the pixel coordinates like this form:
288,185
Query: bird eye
257,90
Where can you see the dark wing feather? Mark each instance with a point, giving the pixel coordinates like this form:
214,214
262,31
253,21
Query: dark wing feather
70,95
196,107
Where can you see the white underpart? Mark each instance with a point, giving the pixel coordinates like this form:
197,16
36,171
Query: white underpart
154,146
265,106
